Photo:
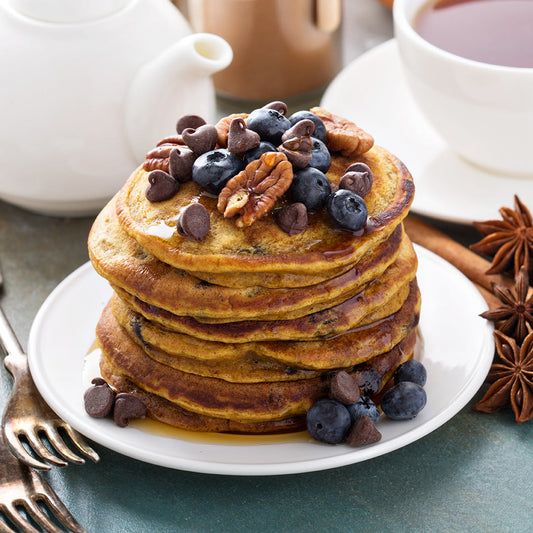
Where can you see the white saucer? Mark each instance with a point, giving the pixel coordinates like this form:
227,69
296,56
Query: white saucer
63,333
372,91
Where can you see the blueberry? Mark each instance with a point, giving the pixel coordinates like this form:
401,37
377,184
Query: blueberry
347,210
269,123
403,401
258,151
320,129
320,156
310,187
328,421
411,370
364,406
212,170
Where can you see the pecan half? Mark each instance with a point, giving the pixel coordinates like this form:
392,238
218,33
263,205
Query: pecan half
343,135
158,157
253,192
223,125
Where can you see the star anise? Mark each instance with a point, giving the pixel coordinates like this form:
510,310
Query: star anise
511,377
516,312
509,241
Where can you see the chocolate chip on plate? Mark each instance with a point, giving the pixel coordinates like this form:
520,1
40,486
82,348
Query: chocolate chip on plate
99,399
363,431
344,388
193,221
128,407
292,219
161,186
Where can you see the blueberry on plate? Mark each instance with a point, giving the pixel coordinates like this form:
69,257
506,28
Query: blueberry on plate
320,156
328,421
310,187
269,123
403,401
213,169
255,153
347,210
320,129
364,406
411,370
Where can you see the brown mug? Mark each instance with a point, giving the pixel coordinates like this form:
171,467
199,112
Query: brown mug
282,48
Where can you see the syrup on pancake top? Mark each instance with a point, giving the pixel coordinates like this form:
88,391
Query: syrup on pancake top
253,261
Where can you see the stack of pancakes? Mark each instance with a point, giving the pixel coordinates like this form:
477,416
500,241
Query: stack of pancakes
242,331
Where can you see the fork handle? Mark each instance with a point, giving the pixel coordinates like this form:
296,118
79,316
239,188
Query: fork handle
16,360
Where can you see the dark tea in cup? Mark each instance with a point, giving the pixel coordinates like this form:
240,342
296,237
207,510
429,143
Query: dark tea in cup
498,32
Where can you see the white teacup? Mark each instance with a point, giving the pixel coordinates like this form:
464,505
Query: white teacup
484,112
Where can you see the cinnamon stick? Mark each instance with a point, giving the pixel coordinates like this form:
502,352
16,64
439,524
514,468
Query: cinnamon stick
468,262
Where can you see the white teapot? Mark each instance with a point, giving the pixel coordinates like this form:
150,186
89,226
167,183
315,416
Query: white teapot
87,88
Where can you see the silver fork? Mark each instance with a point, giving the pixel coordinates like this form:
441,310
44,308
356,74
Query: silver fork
24,489
28,417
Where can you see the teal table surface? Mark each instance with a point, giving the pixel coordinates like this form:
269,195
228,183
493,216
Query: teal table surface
473,474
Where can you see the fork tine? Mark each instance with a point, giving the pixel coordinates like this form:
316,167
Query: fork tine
80,443
13,515
61,512
18,450
40,516
4,528
56,440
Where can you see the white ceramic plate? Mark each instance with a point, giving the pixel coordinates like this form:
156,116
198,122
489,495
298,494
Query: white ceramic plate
372,91
457,352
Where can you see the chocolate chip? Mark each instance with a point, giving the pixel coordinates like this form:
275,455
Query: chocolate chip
297,143
280,107
189,121
193,221
240,138
127,407
99,400
358,178
363,432
162,186
303,128
180,163
298,158
292,219
344,388
201,139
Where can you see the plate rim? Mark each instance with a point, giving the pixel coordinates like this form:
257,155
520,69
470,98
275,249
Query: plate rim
97,432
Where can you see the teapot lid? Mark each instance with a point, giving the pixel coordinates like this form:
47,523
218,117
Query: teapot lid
67,11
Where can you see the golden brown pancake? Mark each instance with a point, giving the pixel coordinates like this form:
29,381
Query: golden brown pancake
321,324
263,246
268,360
120,260
250,402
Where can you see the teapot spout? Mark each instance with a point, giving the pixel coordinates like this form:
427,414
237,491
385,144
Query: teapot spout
175,83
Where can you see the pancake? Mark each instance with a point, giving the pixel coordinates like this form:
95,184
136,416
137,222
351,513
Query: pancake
169,413
268,361
321,324
218,398
124,263
263,246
